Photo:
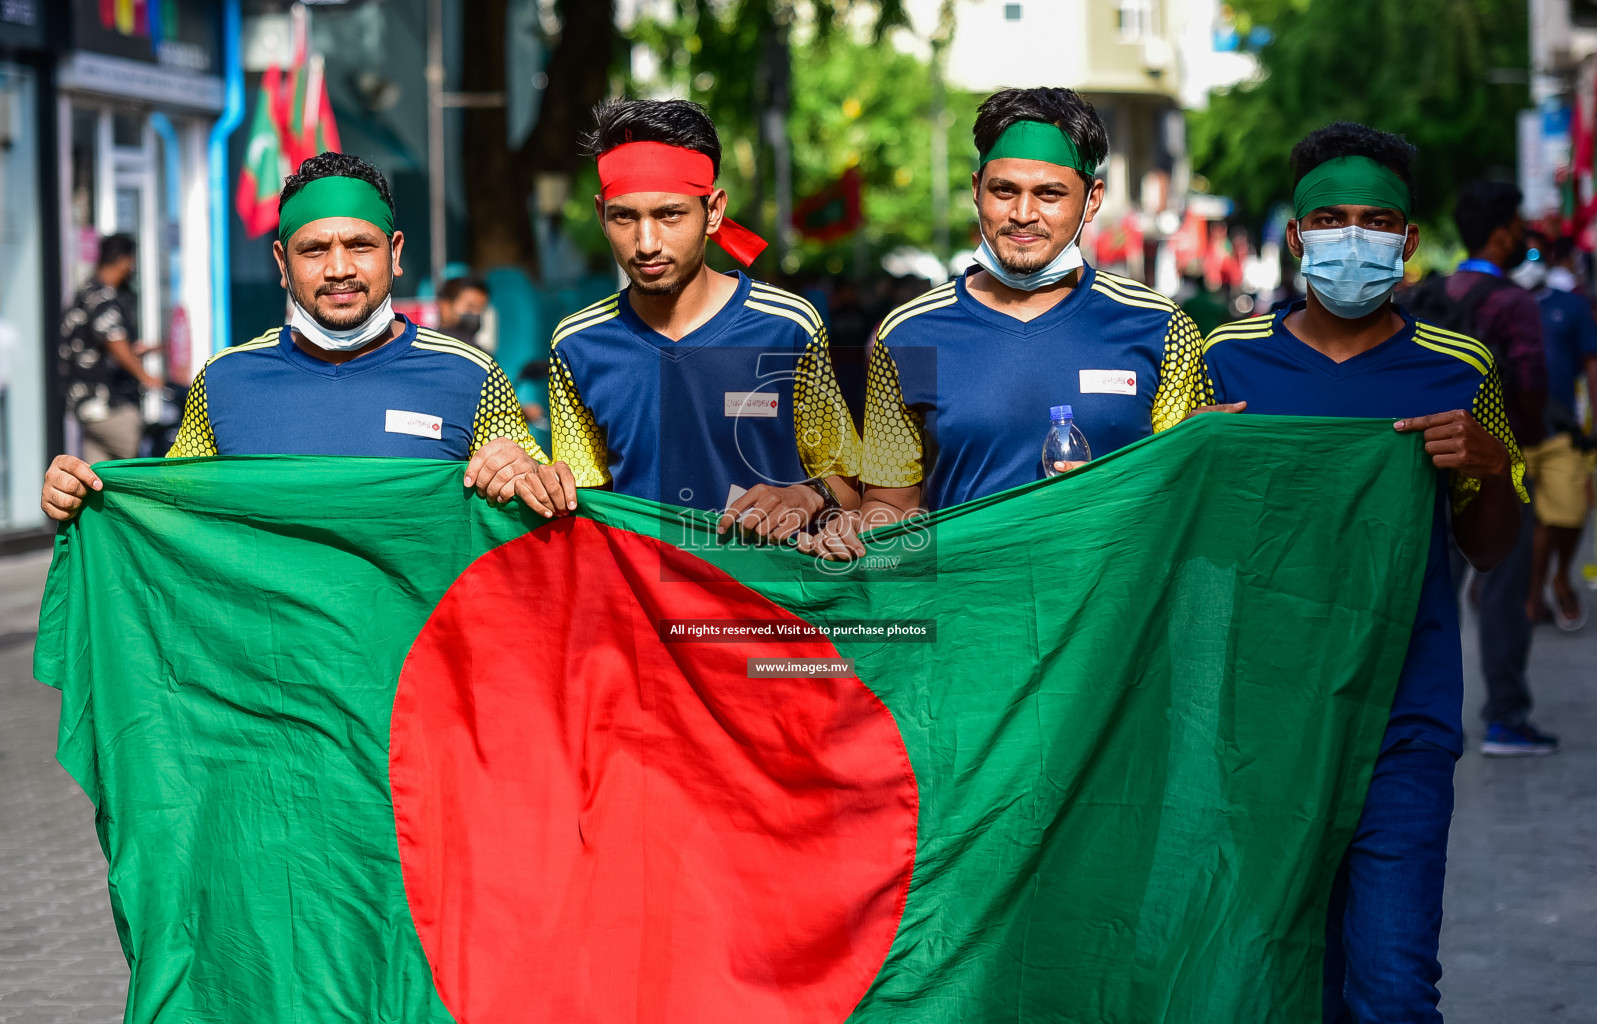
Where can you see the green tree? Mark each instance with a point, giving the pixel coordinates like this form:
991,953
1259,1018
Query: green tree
1450,75
854,100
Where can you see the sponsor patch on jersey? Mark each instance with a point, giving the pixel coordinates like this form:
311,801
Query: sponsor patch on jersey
758,404
1108,382
416,424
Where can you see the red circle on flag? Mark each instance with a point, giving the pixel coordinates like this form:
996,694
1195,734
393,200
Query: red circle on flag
597,825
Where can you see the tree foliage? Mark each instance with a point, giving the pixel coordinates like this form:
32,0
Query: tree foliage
1450,75
853,100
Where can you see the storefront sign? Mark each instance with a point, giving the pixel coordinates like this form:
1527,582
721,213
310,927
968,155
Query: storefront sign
22,24
118,76
184,35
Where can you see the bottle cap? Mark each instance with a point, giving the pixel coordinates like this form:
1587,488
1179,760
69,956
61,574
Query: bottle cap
1060,413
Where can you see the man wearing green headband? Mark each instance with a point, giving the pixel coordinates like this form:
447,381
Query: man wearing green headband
346,375
1349,351
961,381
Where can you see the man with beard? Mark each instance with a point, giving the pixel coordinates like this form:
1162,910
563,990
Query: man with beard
693,387
961,380
346,375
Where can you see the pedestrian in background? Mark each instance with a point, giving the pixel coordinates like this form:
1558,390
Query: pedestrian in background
101,371
1560,466
1505,317
462,301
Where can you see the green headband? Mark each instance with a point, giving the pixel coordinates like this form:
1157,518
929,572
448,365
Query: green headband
1034,140
1355,180
333,197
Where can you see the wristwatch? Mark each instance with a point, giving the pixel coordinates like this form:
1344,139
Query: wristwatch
830,506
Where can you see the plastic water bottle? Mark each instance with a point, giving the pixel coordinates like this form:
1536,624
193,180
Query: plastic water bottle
1065,441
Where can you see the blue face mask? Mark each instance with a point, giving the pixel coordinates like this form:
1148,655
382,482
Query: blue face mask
1068,260
1352,270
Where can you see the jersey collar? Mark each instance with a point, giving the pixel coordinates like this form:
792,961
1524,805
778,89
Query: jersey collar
697,338
1312,357
1062,311
1482,267
360,364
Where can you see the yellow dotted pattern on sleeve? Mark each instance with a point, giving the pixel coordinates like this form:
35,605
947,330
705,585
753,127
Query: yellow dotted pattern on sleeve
195,438
499,415
827,442
578,441
1183,376
1488,412
893,431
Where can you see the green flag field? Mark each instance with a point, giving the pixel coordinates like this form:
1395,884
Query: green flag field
365,748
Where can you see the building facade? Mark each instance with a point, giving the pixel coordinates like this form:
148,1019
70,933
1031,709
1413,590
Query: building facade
106,109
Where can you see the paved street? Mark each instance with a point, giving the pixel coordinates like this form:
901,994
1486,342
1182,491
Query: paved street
1519,946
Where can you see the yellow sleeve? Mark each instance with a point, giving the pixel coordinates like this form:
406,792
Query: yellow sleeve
578,441
499,415
195,438
1184,382
1488,412
828,444
893,431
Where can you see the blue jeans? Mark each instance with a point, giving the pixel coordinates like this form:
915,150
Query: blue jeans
1385,915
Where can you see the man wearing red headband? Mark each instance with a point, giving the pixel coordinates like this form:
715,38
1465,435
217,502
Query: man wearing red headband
694,387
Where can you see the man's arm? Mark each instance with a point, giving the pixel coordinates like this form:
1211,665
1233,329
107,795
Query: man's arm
1487,472
881,506
891,462
828,449
195,438
110,326
575,435
1516,325
506,462
1184,385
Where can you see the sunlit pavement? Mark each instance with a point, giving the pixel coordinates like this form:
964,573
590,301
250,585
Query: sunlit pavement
1519,945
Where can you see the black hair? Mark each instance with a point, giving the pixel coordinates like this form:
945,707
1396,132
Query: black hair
114,247
674,122
335,165
1563,248
1065,109
1348,138
1482,208
455,285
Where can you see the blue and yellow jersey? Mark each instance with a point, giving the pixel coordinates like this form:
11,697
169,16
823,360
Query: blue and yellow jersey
748,398
423,395
1419,371
957,393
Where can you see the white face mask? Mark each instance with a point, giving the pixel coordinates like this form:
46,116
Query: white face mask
1352,270
342,341
1068,260
1529,275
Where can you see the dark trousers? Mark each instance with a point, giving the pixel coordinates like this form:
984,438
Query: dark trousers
1505,631
1385,916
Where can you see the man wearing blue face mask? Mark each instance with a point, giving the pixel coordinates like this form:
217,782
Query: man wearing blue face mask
961,380
1349,351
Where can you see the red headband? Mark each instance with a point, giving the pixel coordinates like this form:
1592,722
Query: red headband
660,167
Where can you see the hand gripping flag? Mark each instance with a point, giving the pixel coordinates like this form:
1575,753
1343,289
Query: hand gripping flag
365,748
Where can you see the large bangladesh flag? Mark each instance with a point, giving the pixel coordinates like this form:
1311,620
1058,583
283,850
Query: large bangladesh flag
364,748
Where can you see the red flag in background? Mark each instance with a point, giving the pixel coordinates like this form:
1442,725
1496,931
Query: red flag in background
293,122
833,212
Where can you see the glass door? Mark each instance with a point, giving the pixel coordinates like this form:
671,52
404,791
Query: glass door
23,328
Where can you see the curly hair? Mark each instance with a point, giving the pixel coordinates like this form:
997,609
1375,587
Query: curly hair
335,165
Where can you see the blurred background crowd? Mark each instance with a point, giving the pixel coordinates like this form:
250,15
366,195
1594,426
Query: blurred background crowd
846,126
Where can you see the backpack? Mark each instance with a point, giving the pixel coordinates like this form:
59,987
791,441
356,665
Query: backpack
1429,301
